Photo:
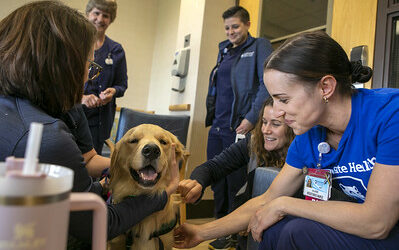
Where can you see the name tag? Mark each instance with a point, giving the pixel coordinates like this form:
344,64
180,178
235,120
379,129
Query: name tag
248,54
317,186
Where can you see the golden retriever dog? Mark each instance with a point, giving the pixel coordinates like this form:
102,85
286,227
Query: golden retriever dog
140,164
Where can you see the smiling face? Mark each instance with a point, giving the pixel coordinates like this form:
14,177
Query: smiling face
273,130
100,19
236,30
300,106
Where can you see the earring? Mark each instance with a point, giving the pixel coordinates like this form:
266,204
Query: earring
325,99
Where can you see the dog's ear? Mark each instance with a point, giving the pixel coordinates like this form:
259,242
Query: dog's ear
181,153
114,169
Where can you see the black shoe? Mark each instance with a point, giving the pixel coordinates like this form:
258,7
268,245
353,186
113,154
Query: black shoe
222,243
233,240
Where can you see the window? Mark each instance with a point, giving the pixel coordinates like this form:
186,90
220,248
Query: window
281,19
386,59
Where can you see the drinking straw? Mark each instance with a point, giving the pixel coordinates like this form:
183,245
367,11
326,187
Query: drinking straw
32,148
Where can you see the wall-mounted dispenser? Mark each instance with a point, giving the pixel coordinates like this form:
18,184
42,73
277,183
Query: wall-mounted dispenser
180,68
180,62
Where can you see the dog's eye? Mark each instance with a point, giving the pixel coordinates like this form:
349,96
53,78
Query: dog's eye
163,142
134,141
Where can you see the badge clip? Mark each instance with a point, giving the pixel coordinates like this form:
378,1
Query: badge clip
109,60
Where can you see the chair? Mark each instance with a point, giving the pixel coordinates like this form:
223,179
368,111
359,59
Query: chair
176,124
262,180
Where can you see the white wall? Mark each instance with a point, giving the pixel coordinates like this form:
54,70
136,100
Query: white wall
159,95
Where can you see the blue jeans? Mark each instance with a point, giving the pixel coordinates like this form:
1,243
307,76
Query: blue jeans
299,233
224,190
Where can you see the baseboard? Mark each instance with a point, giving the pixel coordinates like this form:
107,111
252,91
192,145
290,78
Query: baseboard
204,209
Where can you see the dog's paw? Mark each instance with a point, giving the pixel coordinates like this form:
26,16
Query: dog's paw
176,199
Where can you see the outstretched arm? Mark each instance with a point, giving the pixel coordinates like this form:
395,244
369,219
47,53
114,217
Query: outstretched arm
287,183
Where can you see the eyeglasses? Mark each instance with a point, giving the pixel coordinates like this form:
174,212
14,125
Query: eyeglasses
94,70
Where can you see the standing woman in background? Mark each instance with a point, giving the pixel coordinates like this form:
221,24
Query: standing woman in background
235,97
99,94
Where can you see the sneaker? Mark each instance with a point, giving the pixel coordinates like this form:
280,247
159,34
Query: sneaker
233,241
222,243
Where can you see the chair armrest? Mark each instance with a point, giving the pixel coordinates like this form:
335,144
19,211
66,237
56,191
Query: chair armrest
263,178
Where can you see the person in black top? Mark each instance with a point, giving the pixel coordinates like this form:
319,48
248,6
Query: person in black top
77,123
46,50
267,147
235,96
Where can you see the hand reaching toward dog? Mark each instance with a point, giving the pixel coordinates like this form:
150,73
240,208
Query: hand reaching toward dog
190,190
172,187
187,236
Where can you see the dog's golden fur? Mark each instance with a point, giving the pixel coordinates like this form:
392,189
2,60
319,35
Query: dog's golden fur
128,160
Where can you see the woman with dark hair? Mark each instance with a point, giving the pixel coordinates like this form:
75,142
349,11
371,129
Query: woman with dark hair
348,134
266,147
46,51
100,93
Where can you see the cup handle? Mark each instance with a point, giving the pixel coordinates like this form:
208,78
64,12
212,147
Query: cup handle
90,201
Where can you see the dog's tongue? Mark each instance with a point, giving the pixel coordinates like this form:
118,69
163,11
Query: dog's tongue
148,173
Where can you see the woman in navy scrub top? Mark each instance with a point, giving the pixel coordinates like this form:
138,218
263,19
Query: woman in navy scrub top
100,94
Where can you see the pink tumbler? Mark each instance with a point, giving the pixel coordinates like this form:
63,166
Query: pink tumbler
34,210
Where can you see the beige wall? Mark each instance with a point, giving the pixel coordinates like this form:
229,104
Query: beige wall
135,28
353,24
159,95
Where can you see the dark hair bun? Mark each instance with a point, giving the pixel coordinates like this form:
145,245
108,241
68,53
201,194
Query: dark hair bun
359,72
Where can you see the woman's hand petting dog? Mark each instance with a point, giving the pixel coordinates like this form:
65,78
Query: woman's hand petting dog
172,187
190,190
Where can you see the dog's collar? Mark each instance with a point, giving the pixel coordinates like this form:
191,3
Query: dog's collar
165,228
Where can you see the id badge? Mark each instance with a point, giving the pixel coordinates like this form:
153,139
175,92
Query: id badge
239,137
317,186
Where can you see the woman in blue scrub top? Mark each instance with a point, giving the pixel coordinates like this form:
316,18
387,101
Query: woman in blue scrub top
310,79
100,94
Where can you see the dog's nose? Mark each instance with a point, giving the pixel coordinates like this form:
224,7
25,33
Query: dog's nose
151,151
